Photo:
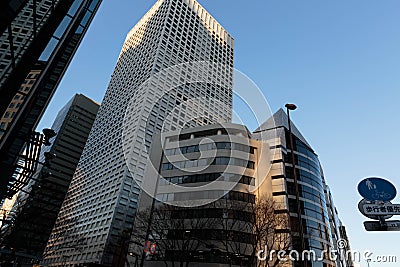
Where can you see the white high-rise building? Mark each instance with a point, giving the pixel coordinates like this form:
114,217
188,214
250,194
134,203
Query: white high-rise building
175,70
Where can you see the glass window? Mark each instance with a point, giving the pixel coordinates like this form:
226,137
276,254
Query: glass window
184,150
250,165
62,27
48,51
79,30
167,166
74,7
93,5
223,145
86,18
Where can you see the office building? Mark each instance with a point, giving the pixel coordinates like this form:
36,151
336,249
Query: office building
303,192
175,70
37,207
207,179
209,184
33,33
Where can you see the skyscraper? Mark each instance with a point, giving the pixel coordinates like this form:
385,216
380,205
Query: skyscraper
36,208
175,70
44,33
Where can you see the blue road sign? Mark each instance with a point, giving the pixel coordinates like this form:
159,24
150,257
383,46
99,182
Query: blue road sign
377,189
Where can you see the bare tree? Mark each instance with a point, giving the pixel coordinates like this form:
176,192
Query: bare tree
253,227
237,230
271,231
237,241
177,233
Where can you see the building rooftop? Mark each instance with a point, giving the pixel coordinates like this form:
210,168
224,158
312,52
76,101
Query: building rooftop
280,119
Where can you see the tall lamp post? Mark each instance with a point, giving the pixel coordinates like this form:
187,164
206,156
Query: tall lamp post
292,107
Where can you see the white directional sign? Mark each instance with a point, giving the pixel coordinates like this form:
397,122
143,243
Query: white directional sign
381,210
376,226
373,217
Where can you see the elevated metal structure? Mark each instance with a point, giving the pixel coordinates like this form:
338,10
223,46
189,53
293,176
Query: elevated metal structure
34,34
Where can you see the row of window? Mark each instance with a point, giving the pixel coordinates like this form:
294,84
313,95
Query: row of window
13,105
305,177
312,228
208,194
307,193
211,234
319,215
303,162
179,165
213,213
210,146
208,256
304,150
208,177
318,236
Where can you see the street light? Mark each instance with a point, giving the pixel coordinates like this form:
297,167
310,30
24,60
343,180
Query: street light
292,107
48,134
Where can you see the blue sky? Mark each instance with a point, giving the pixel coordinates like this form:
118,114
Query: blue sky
339,61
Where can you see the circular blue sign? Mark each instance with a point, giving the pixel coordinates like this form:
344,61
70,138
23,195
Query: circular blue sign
377,189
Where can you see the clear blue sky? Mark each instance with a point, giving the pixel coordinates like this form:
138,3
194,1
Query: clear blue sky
339,61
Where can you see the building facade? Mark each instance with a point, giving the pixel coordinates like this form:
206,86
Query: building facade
18,99
311,229
37,207
175,70
205,191
341,243
34,33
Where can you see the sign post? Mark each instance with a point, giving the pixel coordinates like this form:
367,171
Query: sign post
368,214
381,210
378,193
376,226
377,189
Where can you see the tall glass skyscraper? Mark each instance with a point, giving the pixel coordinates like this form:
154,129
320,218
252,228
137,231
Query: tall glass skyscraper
175,70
